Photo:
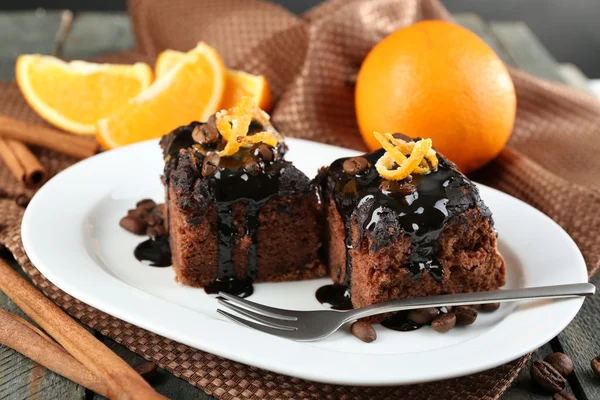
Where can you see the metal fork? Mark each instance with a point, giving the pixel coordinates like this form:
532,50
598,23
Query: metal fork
308,326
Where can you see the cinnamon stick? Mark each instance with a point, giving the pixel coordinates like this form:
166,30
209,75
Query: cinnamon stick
25,338
24,165
73,145
122,382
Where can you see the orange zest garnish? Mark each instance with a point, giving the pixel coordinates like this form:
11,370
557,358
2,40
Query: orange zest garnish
233,125
409,157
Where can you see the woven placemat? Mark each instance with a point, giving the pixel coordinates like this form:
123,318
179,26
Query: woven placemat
550,162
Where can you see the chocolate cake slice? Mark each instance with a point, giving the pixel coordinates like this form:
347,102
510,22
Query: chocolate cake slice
238,212
426,234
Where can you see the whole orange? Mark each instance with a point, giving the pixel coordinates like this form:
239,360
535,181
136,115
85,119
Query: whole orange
438,80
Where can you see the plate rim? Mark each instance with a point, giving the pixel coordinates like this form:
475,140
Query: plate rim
109,308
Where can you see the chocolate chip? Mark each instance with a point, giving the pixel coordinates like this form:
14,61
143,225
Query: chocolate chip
423,315
403,137
206,133
364,331
133,225
263,151
444,322
145,205
465,315
3,193
561,362
147,370
22,200
563,396
355,165
490,307
547,377
210,164
253,166
596,365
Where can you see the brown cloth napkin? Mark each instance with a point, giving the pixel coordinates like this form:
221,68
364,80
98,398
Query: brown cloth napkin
551,161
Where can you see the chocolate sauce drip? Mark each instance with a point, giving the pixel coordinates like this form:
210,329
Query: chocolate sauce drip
154,252
336,296
241,287
400,322
386,209
231,184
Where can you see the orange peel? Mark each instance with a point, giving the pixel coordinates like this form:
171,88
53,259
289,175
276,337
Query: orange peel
233,125
409,157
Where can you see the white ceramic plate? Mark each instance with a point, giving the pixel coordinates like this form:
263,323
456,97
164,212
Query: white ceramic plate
71,233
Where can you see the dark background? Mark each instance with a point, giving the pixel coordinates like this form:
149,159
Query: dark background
570,29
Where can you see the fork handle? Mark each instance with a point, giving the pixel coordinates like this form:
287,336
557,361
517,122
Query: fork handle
497,296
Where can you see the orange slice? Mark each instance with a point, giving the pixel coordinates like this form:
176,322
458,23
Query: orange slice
190,91
238,84
74,96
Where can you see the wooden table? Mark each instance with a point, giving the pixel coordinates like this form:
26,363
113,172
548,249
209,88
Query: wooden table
94,34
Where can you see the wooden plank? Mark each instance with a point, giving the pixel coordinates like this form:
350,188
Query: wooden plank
475,24
165,383
95,34
528,53
25,32
580,341
21,378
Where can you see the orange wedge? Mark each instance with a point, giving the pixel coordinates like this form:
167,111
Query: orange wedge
238,84
74,96
190,91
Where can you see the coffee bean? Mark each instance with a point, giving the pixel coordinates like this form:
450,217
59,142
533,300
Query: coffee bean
423,315
563,396
210,164
253,166
547,377
141,214
206,133
145,205
364,331
156,231
161,209
154,219
403,137
263,151
444,322
22,200
355,165
561,362
465,315
3,193
596,365
490,307
402,188
133,225
147,370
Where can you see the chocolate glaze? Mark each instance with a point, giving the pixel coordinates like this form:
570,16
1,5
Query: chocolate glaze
386,211
230,184
241,287
155,252
400,322
336,296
